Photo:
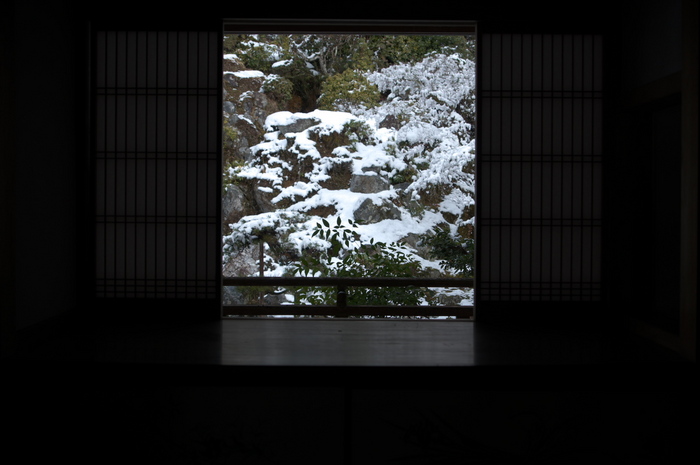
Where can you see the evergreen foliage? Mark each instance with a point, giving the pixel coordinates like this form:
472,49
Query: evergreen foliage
331,64
348,255
454,252
347,90
278,88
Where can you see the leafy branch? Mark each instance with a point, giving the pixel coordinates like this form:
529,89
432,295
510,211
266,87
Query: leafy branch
349,255
454,253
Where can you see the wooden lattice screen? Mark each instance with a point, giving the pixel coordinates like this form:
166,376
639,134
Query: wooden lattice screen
539,168
155,152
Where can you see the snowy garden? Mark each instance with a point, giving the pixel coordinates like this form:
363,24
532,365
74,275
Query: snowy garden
376,180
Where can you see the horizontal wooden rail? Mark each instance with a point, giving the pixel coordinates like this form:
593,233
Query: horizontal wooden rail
350,310
347,281
342,309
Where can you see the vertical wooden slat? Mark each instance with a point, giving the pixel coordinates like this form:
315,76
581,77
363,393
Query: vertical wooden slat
155,156
539,167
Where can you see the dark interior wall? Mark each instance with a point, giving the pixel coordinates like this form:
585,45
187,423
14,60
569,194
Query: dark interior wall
7,180
651,41
47,42
664,173
44,147
119,415
644,163
207,425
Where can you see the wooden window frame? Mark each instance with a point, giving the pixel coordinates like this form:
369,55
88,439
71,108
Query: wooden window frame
342,309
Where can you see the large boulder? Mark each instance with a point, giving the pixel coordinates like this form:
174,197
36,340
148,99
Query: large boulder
236,204
298,125
368,183
243,95
243,81
257,106
240,134
263,194
244,263
232,296
371,212
339,175
415,241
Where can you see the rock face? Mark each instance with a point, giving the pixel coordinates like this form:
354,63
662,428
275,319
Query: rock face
245,264
233,205
289,173
371,212
240,136
245,109
368,183
299,125
257,106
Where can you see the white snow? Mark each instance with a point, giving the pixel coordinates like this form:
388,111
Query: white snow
246,74
424,95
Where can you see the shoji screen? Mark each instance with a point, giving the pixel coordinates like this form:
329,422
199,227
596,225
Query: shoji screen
539,168
156,156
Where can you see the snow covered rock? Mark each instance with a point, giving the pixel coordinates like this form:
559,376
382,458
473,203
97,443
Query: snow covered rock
234,205
296,125
371,212
368,183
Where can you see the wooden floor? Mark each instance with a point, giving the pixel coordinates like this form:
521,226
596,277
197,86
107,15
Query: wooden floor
347,343
349,392
333,343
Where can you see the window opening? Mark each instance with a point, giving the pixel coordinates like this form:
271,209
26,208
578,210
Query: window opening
348,174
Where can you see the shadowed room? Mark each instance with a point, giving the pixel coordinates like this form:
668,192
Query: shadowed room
589,358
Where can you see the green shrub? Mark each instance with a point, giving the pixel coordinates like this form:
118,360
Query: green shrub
230,173
348,89
358,131
405,175
390,50
259,54
279,88
347,255
454,253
